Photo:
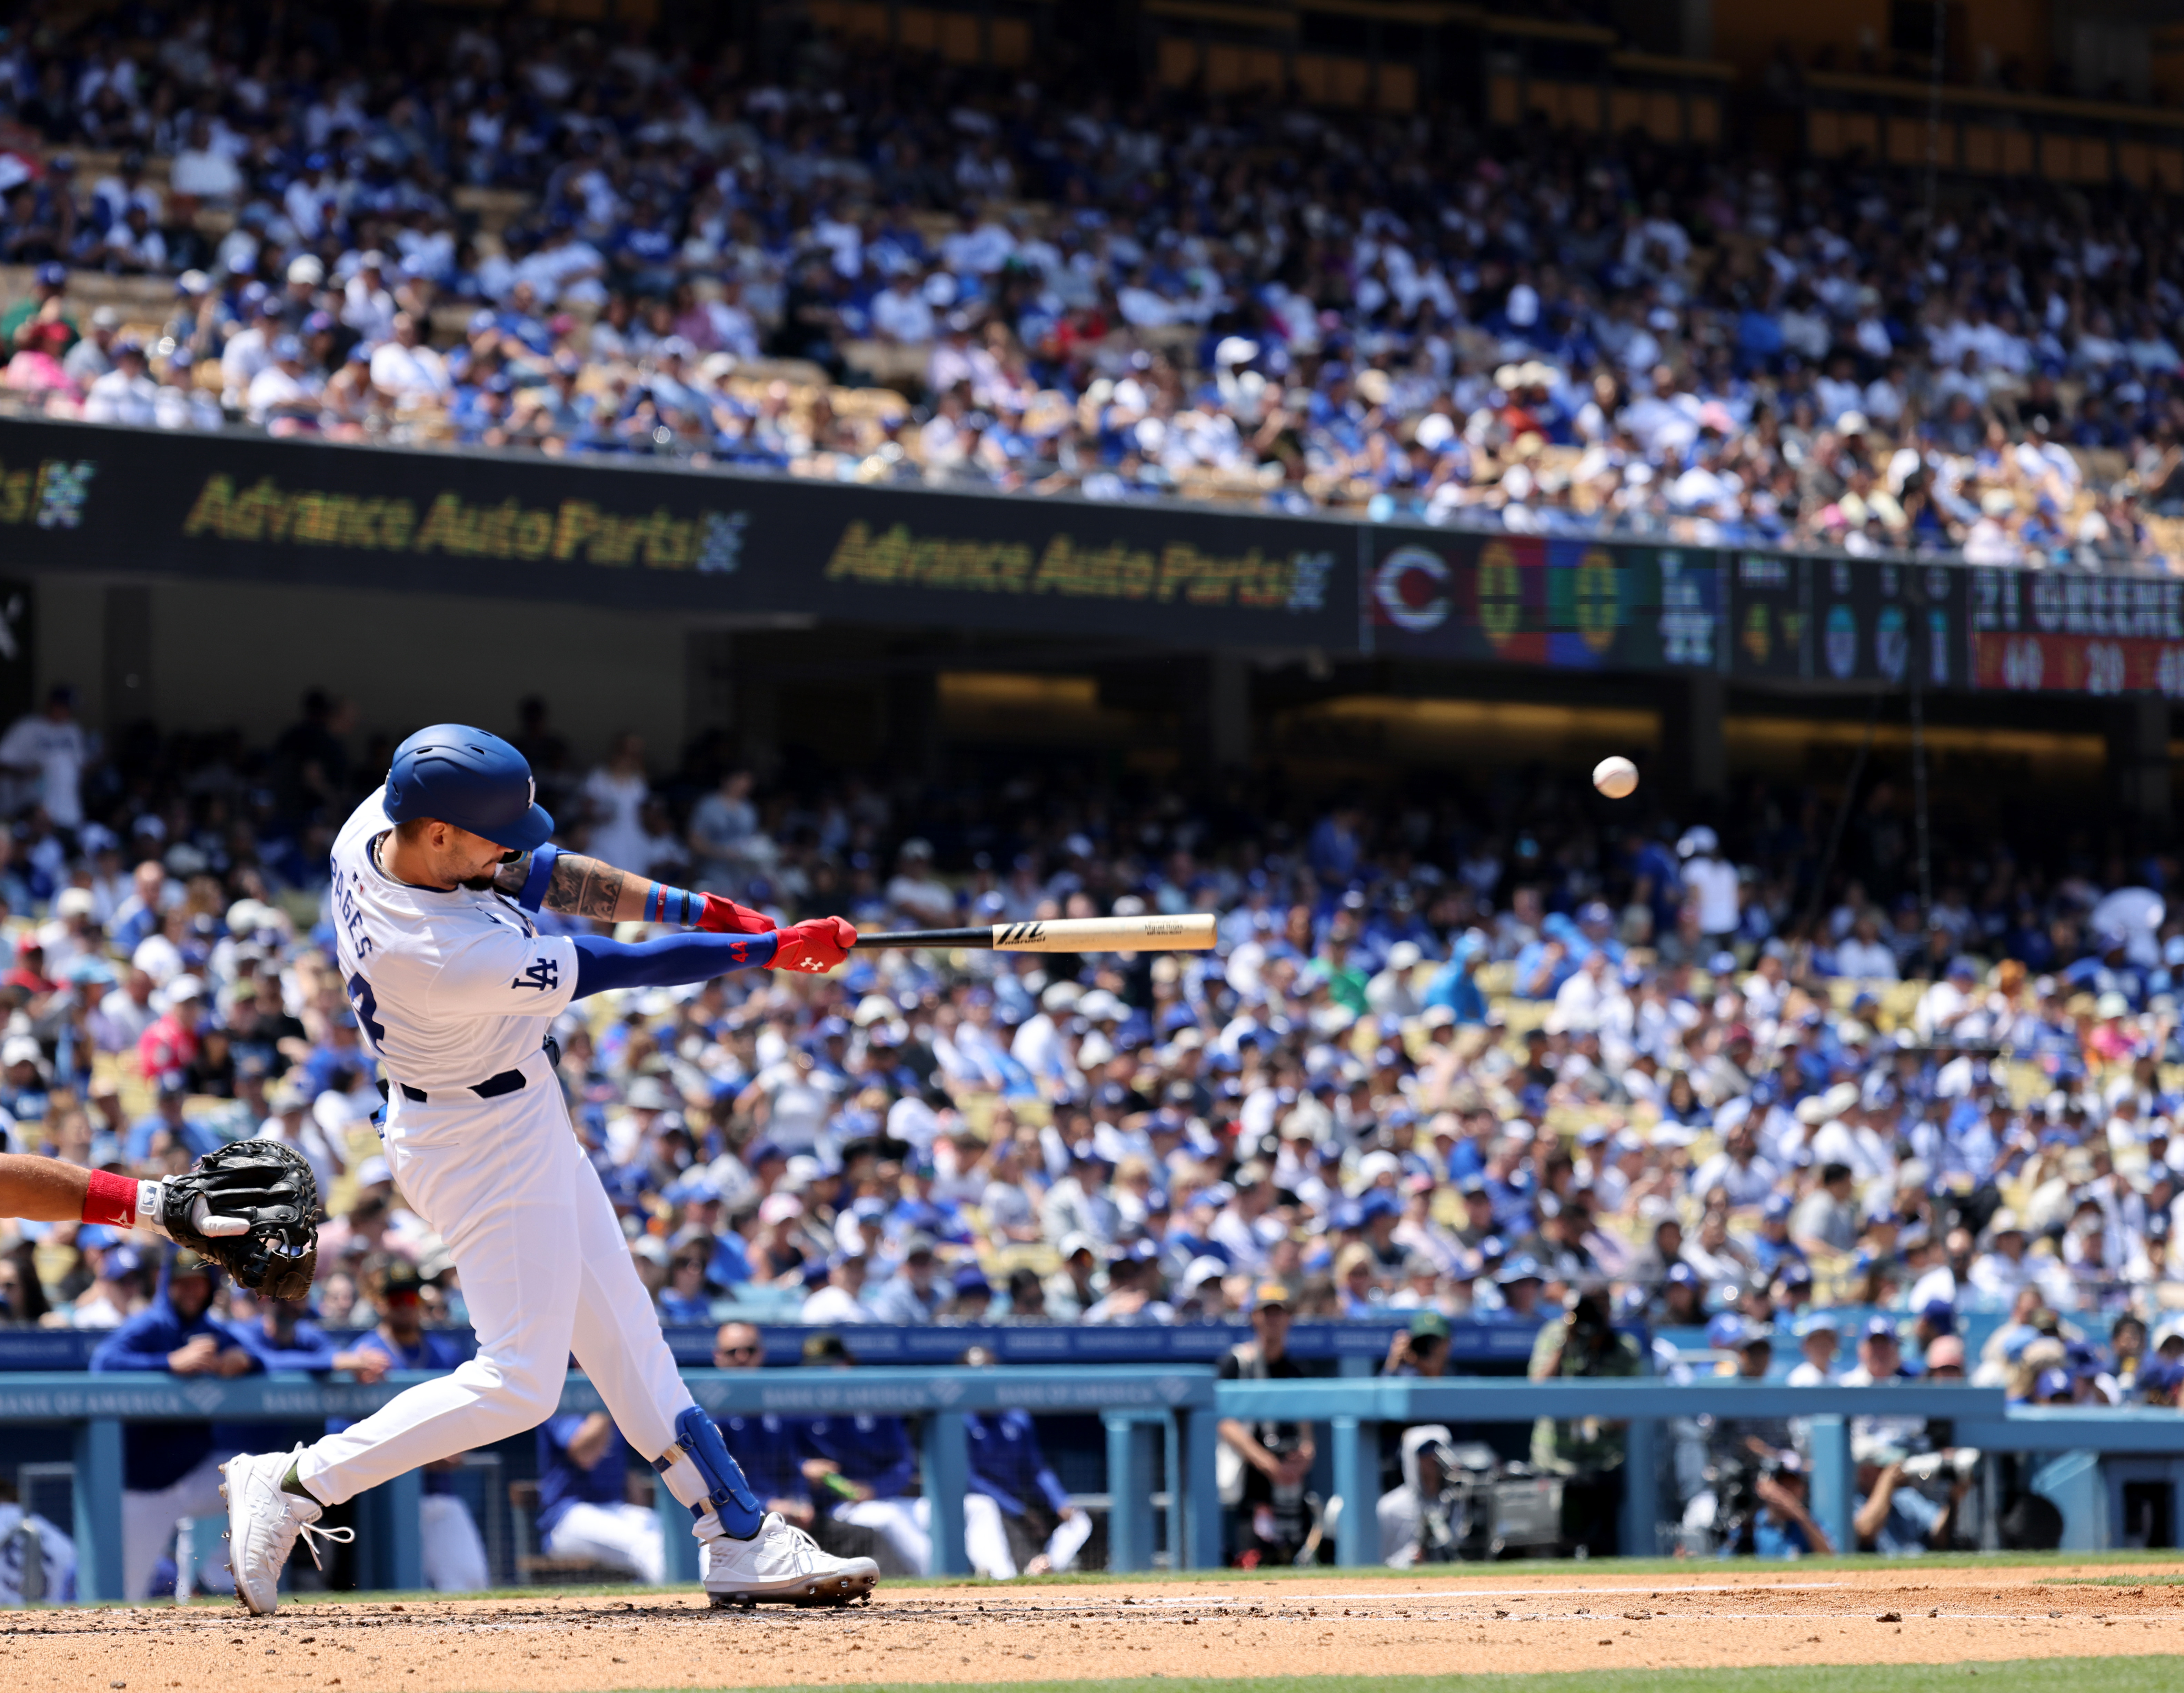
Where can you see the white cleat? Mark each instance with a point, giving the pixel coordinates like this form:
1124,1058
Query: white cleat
263,1521
783,1564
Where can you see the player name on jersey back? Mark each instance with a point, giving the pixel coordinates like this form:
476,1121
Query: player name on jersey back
449,988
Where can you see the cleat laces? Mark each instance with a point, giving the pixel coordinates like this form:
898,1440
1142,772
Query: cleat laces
312,1535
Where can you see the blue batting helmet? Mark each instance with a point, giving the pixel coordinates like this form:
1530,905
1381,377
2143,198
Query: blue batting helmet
472,780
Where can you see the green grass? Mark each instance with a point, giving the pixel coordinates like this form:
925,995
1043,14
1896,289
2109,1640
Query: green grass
2112,1581
2022,1675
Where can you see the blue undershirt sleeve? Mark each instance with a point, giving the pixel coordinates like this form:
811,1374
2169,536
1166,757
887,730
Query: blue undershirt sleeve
541,872
668,962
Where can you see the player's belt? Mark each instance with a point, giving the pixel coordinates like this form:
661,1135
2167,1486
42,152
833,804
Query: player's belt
508,1082
493,1087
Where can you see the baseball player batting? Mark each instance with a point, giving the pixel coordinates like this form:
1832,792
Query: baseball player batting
435,878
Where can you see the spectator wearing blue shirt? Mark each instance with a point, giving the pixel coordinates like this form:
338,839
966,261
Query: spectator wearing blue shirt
2107,969
171,1471
1771,1247
909,1296
686,1299
1454,984
339,1060
1334,847
198,1138
584,1510
141,913
1543,965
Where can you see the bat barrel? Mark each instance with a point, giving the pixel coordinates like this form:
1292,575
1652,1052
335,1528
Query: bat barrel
1185,932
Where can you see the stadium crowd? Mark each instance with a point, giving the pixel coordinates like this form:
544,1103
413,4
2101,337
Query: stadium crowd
1117,295
1457,1055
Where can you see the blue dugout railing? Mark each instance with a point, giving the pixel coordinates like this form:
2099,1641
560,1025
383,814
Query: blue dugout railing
1178,1408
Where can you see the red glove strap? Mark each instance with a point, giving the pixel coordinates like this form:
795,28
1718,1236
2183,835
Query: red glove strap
110,1199
725,917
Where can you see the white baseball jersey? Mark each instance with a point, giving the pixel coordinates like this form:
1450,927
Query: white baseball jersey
449,989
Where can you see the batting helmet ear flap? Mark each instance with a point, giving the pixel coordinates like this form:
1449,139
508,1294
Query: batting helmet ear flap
471,778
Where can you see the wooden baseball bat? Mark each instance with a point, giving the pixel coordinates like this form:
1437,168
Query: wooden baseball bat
1192,932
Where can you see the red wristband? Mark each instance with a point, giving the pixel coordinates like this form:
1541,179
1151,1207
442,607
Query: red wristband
110,1199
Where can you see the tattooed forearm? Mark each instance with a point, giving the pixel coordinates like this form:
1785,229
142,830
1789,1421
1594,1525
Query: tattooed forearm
584,887
578,886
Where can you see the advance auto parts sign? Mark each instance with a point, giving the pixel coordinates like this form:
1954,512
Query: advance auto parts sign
244,507
573,529
638,535
1163,573
1574,604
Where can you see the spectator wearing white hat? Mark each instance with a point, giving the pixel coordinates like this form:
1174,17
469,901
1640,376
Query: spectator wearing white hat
367,303
92,357
72,932
1711,882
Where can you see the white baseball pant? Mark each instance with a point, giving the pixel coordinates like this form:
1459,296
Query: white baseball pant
455,1550
148,1519
1069,1539
545,1272
623,1537
906,1526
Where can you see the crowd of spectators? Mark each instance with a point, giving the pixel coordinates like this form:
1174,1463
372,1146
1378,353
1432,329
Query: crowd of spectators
507,231
1461,1054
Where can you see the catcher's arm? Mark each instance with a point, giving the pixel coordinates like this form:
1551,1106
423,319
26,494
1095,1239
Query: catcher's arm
575,885
42,1190
47,1190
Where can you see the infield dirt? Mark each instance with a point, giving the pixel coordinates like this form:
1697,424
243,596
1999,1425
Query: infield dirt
1702,1616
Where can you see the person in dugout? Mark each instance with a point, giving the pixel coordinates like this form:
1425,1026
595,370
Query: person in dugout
454,1555
584,1507
867,1467
1044,1531
171,1471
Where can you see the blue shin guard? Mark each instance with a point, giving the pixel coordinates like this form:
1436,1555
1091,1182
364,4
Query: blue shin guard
698,1471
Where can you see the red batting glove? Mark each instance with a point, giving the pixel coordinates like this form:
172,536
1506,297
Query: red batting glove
725,917
815,945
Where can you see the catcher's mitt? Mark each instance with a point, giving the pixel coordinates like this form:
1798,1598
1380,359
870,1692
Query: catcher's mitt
253,1207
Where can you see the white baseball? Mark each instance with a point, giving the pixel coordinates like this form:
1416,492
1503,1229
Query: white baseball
1616,777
